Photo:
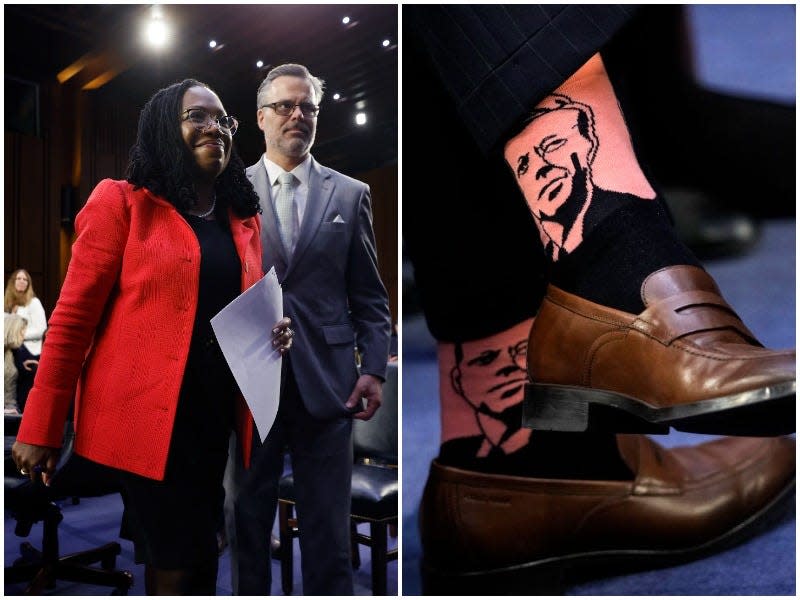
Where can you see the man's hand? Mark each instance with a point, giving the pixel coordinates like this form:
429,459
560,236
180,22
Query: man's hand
282,335
371,388
33,461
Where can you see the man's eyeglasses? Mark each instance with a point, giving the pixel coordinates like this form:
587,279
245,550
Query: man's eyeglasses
285,108
202,120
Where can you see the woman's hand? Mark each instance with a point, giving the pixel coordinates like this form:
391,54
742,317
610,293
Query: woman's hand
282,335
33,461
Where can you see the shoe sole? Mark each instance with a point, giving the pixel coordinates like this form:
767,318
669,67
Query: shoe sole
769,411
552,576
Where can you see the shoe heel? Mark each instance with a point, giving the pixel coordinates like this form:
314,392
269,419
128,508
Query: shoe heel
570,409
550,408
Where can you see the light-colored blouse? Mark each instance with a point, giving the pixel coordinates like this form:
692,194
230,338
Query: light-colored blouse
33,313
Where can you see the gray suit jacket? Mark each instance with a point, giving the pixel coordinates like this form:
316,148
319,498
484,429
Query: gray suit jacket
331,287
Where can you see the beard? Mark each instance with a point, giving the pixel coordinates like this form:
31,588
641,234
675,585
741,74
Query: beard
295,146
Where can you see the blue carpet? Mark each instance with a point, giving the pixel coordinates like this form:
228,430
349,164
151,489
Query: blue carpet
95,521
747,50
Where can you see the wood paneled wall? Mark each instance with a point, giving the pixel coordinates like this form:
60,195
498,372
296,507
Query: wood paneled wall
383,187
29,214
32,204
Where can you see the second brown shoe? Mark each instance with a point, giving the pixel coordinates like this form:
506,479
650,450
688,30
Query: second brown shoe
686,362
486,534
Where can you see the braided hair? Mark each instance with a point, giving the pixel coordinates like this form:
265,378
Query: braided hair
161,162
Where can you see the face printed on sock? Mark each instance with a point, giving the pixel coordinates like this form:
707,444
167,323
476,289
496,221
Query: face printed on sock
551,173
491,380
552,163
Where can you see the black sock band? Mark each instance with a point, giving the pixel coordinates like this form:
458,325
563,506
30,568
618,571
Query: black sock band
618,254
548,455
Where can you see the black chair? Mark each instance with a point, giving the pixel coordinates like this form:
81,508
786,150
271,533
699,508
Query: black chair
30,503
373,496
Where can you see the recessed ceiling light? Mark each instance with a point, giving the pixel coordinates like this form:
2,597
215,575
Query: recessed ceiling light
361,118
212,44
386,43
260,64
345,20
157,32
336,96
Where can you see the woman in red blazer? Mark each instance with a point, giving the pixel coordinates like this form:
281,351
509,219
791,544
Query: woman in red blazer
156,256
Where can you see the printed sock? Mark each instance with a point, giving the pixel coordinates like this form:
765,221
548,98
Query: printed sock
598,217
481,385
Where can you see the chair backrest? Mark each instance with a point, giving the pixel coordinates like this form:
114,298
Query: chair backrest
377,438
79,477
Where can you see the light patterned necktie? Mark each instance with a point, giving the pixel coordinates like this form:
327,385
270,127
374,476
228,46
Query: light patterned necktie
287,214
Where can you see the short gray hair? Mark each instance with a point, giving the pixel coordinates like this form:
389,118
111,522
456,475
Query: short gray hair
291,70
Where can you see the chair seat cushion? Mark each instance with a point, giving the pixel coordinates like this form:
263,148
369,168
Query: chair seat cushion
374,491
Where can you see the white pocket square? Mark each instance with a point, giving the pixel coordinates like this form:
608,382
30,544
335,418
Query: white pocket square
338,219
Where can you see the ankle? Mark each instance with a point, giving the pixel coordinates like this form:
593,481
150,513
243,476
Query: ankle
612,263
481,387
547,455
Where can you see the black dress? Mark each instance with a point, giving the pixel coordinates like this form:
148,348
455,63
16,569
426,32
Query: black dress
25,379
173,523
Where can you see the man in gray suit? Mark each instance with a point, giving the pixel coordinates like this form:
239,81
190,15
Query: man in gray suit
317,233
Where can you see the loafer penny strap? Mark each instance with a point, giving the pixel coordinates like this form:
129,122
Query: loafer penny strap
687,313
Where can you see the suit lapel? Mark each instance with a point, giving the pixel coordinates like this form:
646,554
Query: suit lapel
320,190
273,252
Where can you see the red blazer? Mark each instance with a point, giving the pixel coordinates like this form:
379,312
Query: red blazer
127,305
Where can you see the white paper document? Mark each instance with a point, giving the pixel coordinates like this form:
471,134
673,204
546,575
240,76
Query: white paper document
244,332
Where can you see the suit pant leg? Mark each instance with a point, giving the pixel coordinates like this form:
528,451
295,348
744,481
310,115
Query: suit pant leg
322,463
479,265
251,502
498,61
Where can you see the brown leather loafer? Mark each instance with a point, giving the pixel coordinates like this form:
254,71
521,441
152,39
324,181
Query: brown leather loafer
498,534
686,362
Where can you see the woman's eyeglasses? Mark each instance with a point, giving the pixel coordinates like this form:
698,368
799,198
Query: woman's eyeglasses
202,120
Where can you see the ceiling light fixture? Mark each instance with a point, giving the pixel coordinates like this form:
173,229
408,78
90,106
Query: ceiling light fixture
345,20
156,30
212,44
386,43
361,118
336,96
